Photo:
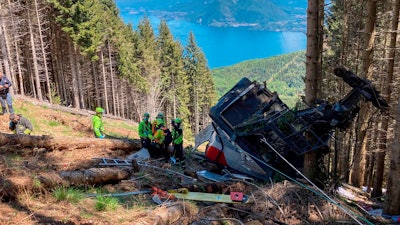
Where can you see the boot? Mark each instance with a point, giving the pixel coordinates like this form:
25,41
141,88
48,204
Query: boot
183,165
10,109
4,111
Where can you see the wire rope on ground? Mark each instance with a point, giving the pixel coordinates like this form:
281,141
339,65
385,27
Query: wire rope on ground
317,190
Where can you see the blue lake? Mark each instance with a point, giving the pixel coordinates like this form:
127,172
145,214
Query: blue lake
224,46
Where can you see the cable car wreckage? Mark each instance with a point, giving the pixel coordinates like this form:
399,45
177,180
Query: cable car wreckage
253,132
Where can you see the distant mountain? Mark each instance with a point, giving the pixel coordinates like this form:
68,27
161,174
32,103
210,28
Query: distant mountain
283,74
274,15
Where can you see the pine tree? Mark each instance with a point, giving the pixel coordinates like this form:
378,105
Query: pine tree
148,65
126,41
173,77
202,90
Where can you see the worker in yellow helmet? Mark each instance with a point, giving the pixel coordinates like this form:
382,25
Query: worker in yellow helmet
159,144
145,133
154,125
97,122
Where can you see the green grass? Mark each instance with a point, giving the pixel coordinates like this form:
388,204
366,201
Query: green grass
36,183
106,203
121,125
54,123
15,157
113,135
86,215
71,195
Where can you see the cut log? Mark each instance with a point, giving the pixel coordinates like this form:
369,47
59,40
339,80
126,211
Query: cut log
61,143
93,176
11,187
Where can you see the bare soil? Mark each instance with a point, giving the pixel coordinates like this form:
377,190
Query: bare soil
25,201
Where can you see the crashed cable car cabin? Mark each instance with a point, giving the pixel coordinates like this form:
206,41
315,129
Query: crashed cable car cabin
252,130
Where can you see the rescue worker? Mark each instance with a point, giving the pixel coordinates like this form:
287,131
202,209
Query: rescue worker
5,96
20,125
97,122
159,148
168,138
145,132
177,141
160,115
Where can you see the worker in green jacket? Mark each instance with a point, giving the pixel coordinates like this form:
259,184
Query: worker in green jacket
20,125
145,133
159,142
160,115
97,122
177,141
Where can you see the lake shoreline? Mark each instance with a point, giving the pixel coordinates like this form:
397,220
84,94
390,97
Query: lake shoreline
226,46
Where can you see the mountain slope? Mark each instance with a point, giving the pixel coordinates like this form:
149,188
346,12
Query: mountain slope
283,74
252,12
257,14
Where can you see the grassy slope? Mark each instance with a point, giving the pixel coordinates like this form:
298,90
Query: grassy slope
62,121
283,74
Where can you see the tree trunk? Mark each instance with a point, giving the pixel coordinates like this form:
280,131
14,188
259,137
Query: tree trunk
392,199
196,109
79,79
43,51
113,94
313,72
93,176
11,187
345,35
3,43
74,84
35,65
95,77
387,92
174,102
65,143
358,170
103,72
369,175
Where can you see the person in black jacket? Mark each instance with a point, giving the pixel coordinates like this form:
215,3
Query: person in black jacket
5,96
